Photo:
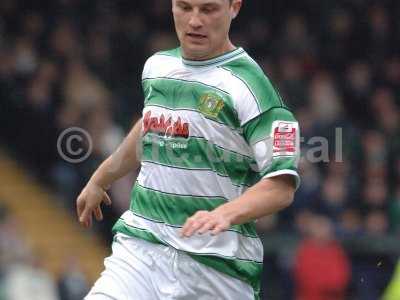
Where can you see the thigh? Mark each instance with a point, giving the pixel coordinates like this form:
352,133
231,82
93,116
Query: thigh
126,275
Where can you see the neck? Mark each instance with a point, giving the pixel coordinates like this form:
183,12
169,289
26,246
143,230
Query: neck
227,47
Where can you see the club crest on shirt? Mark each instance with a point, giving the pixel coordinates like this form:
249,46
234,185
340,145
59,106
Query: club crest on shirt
211,104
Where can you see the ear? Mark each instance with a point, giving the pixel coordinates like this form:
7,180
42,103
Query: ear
235,8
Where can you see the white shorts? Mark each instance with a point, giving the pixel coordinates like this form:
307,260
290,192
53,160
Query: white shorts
141,270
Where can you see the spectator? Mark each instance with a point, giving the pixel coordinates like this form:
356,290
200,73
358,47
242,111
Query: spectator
322,270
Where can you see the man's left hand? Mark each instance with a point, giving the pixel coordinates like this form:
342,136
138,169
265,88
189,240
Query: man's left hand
203,221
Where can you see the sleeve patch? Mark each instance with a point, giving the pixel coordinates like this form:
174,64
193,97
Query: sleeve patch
285,137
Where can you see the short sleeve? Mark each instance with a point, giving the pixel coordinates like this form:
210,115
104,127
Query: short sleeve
274,137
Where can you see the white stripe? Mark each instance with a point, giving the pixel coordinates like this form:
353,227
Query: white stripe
244,101
161,66
199,126
225,244
170,67
285,172
264,150
263,153
201,183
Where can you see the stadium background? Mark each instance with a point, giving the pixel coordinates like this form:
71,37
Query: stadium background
66,63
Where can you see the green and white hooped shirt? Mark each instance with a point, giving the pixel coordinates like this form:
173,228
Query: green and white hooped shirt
210,130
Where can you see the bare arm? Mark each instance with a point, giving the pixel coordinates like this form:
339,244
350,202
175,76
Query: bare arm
266,197
120,163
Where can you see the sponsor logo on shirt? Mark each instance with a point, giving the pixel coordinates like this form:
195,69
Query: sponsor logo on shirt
211,104
284,138
165,126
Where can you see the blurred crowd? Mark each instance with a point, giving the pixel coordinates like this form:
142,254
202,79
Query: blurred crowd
22,275
68,63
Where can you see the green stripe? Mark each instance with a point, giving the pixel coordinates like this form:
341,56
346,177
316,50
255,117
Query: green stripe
175,209
259,85
121,227
177,227
280,163
181,195
174,94
200,154
188,81
249,272
259,128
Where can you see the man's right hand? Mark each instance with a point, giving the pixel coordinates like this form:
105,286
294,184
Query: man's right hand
117,165
88,203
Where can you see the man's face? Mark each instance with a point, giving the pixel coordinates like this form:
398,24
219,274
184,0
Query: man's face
203,26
